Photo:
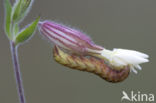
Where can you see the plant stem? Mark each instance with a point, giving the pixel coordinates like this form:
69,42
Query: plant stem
17,72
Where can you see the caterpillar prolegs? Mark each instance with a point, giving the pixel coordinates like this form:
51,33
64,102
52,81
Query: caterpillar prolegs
91,64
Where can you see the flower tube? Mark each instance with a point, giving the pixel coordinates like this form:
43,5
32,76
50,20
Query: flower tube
67,38
79,43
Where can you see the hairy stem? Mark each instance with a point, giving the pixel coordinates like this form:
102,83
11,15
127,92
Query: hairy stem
17,72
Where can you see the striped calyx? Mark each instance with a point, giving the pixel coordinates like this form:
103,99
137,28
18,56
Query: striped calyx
68,38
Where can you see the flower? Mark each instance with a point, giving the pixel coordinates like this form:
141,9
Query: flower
68,38
77,42
124,57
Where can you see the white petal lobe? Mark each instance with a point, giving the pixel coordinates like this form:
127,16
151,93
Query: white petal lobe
124,57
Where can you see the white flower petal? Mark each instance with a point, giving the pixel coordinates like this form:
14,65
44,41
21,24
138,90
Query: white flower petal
131,59
107,54
138,67
117,61
124,57
133,69
133,52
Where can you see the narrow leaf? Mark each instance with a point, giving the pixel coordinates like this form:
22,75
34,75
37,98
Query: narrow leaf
21,9
16,29
17,10
25,9
26,33
8,10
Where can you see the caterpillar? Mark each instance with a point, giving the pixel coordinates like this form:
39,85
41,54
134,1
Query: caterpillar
90,64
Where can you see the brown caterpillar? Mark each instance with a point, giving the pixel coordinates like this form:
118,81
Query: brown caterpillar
92,64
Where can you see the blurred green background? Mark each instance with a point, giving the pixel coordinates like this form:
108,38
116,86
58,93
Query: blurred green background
129,24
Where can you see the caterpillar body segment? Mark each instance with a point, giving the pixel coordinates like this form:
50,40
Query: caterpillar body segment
91,64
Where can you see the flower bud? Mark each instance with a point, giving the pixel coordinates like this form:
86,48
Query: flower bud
77,42
68,38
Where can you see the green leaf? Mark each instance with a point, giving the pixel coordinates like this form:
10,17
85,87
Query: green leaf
16,29
17,10
26,8
26,5
8,10
26,33
21,9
